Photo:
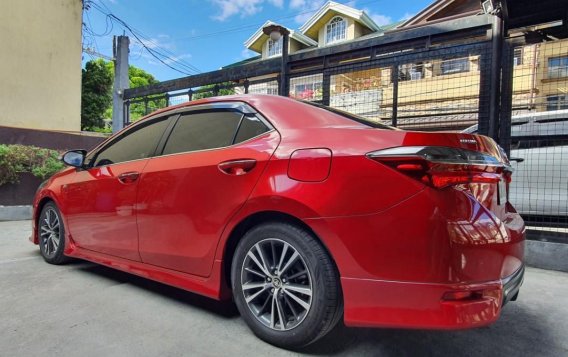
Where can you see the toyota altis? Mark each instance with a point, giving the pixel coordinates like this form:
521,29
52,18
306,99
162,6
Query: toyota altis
303,215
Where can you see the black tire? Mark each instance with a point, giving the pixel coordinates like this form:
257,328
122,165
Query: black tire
293,329
51,235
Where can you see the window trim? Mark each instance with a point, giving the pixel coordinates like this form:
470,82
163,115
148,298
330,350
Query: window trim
327,25
464,59
558,68
172,118
270,41
230,108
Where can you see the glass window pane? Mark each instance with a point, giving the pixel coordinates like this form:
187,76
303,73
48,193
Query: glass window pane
250,127
201,131
138,143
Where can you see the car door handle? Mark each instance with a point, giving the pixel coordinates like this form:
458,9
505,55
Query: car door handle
128,177
237,167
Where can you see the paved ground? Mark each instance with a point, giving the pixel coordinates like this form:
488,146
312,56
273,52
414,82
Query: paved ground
88,310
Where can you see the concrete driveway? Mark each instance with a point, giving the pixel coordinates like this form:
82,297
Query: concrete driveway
89,310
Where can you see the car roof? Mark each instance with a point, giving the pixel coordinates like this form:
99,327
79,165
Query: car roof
282,112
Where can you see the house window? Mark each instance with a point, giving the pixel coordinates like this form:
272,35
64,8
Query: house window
455,66
274,47
558,67
556,102
336,30
308,91
411,72
518,56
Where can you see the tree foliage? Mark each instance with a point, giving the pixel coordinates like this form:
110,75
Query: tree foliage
208,91
17,159
96,96
96,93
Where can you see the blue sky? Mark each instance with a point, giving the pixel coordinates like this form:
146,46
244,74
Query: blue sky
208,34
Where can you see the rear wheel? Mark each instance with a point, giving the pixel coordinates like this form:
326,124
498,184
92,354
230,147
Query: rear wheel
285,285
51,233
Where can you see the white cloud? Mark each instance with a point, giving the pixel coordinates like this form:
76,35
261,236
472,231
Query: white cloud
246,53
379,19
243,8
307,9
296,4
277,3
407,16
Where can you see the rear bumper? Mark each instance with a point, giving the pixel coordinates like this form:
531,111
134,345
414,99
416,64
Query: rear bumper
512,285
375,303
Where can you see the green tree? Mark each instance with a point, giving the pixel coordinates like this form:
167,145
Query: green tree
208,91
96,94
138,77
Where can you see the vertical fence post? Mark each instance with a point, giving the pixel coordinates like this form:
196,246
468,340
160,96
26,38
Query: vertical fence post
215,90
126,115
496,67
507,96
394,79
246,85
190,94
284,88
484,112
146,111
326,88
167,99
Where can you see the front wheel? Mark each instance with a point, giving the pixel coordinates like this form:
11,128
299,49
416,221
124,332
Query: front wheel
51,233
285,285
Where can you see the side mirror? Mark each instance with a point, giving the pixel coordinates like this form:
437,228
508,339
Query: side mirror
75,158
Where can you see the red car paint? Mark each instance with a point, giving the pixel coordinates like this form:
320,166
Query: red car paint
409,255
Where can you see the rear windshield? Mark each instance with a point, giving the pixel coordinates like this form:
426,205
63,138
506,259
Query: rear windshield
353,117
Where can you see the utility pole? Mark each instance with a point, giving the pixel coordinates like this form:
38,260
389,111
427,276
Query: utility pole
120,51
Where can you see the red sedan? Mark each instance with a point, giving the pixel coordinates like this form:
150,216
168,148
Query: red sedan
303,214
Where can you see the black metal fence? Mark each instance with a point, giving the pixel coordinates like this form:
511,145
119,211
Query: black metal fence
538,138
439,77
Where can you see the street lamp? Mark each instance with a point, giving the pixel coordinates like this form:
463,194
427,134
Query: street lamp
275,32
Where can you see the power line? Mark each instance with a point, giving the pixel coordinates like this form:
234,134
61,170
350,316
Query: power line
162,55
168,56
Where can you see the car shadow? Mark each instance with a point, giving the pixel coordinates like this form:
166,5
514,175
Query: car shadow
520,328
226,309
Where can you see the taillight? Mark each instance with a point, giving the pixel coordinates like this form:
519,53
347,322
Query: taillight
440,166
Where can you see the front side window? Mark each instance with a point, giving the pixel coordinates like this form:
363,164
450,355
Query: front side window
336,30
274,47
137,143
202,131
558,67
452,66
556,102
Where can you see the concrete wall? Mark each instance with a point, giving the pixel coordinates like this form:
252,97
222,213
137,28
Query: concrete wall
40,71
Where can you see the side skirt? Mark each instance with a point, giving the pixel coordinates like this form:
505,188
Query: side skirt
210,287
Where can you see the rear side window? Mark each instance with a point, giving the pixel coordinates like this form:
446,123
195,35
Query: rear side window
251,126
139,142
201,131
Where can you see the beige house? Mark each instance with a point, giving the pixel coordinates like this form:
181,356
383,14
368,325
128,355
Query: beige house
447,90
40,72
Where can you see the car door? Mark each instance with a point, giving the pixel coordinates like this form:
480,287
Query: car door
102,212
209,166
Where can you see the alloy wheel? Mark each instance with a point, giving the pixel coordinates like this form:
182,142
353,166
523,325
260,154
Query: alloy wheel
50,232
276,284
